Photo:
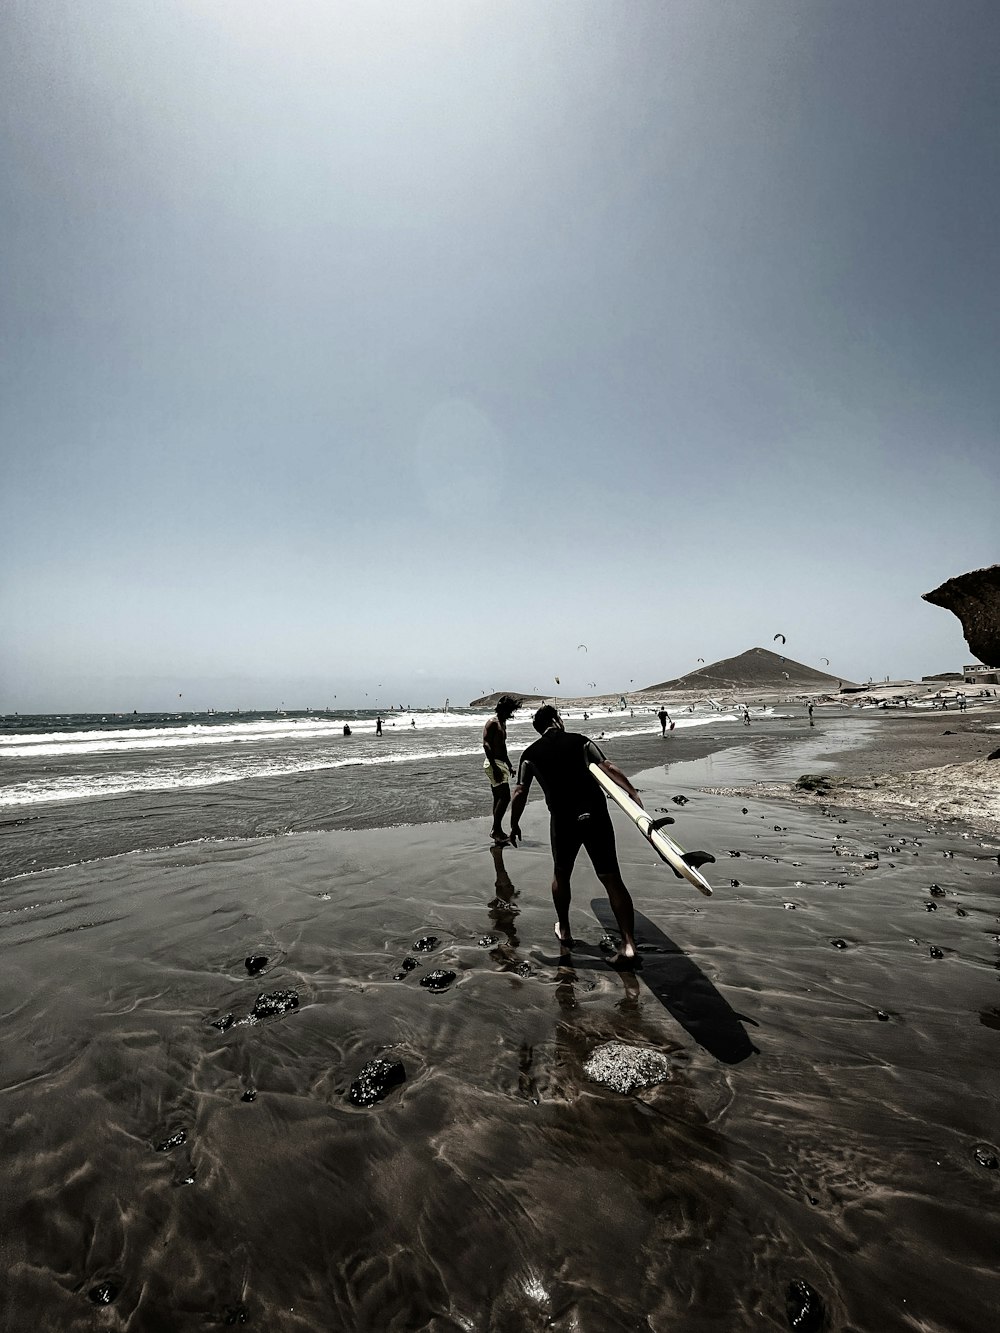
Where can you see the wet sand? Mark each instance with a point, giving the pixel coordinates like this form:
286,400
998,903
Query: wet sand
497,1188
927,766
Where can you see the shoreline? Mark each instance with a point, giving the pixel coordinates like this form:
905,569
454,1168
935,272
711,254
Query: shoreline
912,767
452,789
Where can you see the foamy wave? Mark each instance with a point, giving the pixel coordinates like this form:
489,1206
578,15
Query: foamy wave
74,787
196,734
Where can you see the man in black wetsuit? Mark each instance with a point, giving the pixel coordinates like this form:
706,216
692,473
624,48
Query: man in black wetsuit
579,817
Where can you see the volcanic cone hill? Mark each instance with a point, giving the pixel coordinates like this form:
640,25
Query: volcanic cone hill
756,669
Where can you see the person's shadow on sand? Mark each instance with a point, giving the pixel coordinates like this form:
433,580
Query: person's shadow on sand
677,982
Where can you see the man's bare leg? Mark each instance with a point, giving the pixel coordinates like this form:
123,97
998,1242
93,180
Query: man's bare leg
561,899
501,800
621,904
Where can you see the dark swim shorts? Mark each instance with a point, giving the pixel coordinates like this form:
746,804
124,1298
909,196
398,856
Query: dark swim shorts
594,831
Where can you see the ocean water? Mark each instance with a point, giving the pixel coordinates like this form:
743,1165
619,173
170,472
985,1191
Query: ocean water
78,787
64,758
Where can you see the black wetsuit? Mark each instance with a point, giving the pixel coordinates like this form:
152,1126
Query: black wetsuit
578,807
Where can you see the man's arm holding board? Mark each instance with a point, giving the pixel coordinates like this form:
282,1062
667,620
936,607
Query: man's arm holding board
596,756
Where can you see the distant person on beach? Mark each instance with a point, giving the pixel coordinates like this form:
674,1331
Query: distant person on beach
378,726
746,717
347,730
811,722
497,763
578,817
664,717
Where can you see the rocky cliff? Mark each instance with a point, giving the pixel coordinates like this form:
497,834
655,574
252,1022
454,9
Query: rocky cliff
975,599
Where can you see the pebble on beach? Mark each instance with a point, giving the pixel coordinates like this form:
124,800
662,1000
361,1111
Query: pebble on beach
803,1307
174,1141
426,944
376,1080
270,1004
625,1068
985,1156
255,963
439,979
103,1294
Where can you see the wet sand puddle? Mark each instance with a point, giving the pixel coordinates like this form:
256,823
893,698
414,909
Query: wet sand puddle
167,1170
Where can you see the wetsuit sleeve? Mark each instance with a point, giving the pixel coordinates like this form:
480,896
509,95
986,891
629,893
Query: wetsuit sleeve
525,774
593,752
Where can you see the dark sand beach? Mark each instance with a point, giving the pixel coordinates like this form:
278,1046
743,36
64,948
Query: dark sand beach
830,1022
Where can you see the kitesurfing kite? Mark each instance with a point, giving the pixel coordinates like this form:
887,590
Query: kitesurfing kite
701,659
826,660
779,636
581,645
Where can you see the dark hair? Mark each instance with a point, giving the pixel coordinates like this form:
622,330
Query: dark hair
508,704
544,718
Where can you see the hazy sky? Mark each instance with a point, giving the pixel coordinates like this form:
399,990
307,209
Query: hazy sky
402,347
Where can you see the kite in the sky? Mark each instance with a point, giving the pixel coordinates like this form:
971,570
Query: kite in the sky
779,636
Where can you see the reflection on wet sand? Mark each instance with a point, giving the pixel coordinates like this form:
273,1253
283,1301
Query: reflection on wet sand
496,1187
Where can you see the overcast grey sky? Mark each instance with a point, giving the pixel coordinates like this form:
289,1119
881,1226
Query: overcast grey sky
411,345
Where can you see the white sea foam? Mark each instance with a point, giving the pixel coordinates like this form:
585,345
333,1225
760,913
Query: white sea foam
267,749
76,786
202,734
109,739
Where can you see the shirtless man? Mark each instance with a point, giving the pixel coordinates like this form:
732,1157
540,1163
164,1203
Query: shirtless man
497,765
579,817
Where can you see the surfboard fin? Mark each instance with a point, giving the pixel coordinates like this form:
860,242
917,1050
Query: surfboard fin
659,823
698,859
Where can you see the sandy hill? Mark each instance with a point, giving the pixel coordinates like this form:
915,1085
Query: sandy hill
756,669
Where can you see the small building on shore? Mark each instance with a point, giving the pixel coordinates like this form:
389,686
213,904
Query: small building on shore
981,675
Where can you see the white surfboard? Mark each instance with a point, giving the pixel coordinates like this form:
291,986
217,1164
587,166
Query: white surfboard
683,864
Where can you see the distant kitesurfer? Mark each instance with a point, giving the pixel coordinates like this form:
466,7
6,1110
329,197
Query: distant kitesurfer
578,817
664,717
378,726
746,717
347,730
497,763
811,722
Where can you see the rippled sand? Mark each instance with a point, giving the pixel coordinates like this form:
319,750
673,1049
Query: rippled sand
497,1189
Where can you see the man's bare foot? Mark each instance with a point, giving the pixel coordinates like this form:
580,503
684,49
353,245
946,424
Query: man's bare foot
567,941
